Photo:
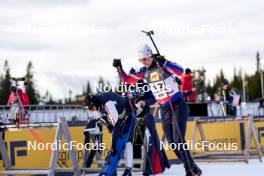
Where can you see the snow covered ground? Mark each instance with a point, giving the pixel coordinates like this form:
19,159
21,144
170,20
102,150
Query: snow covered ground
254,168
222,169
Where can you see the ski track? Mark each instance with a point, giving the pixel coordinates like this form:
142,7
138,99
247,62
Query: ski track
255,167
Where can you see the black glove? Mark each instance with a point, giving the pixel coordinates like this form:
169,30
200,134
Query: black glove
110,128
158,58
132,71
178,81
117,63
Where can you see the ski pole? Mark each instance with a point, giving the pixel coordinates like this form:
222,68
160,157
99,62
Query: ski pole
133,110
150,33
175,117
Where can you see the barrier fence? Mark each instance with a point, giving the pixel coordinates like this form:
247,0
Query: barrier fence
50,113
247,132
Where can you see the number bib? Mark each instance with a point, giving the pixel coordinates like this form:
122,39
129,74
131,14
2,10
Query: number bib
162,92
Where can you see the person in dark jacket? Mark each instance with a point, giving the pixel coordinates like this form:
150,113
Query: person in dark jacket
122,118
156,160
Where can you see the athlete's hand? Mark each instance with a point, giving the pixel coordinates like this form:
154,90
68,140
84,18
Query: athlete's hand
178,81
117,63
132,71
158,58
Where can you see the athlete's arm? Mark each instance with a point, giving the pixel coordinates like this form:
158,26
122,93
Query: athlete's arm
172,67
110,107
132,78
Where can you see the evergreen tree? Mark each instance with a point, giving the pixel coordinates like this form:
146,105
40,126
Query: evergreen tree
254,83
236,82
5,84
258,62
70,97
100,85
30,86
1,81
88,90
50,101
47,99
254,87
209,90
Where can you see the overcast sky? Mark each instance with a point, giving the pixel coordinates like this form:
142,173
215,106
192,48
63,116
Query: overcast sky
72,41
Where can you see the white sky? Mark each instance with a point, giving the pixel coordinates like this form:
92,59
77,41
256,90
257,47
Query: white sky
71,41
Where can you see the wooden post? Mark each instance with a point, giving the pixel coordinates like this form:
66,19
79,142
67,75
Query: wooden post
3,152
258,147
252,133
194,137
255,138
54,155
67,135
201,130
198,126
62,127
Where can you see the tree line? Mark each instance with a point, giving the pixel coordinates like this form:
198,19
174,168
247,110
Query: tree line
34,95
6,83
252,82
252,85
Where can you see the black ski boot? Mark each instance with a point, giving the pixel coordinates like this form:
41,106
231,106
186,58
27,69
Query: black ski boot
127,172
189,173
196,170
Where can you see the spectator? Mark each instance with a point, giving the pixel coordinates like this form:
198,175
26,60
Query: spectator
20,98
22,95
187,87
232,99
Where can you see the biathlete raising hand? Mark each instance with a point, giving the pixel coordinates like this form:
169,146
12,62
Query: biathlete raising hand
160,75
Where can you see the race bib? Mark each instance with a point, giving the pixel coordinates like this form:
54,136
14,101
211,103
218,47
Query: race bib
161,90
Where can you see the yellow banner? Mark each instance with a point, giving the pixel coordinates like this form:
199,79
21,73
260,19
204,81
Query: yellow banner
17,142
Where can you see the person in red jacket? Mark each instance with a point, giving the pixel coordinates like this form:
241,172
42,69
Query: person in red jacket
13,97
18,97
187,87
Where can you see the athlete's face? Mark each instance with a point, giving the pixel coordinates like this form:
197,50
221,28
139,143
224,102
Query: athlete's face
93,109
146,61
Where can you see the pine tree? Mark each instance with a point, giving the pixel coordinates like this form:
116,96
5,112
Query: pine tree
30,86
101,85
5,86
258,62
236,82
70,97
254,87
254,83
88,90
209,89
50,101
1,81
